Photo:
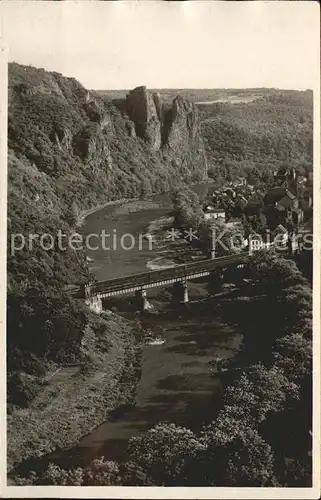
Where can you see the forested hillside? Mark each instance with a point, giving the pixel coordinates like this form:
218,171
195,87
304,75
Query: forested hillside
70,149
275,130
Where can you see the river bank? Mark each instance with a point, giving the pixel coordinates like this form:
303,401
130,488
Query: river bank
176,380
136,218
165,198
85,213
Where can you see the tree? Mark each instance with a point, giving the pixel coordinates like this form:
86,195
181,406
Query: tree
293,355
186,208
166,453
238,458
248,461
272,389
251,397
100,472
273,273
297,304
54,475
224,239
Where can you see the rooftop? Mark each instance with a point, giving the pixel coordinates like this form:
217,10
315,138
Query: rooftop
277,193
213,210
282,228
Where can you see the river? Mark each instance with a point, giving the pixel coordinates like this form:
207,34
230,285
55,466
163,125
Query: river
176,382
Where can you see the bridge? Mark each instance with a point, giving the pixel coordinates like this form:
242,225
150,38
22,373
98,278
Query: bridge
139,283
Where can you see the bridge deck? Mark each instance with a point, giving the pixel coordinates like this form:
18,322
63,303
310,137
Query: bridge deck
164,276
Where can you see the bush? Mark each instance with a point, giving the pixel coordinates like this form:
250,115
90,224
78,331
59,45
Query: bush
22,388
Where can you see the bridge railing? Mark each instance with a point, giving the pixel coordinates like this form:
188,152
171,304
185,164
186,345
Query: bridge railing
177,272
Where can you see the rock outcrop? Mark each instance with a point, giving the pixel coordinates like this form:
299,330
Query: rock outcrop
143,108
176,129
182,136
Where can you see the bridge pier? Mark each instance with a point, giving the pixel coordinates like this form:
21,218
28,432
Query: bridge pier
95,304
184,291
142,300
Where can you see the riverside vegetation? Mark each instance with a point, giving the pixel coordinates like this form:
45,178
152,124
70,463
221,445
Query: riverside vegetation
253,441
70,150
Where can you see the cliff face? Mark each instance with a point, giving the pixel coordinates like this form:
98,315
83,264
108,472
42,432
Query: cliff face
96,150
182,136
176,129
144,109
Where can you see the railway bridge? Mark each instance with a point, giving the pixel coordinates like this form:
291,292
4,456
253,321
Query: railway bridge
94,292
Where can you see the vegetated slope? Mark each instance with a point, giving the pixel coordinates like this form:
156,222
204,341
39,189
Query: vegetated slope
83,141
273,131
70,150
48,330
75,398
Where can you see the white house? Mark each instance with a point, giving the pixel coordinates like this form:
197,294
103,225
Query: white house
281,235
211,213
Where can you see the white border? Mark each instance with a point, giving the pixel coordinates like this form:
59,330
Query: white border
3,264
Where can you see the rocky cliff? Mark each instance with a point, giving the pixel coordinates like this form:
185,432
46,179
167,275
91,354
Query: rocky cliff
94,150
144,109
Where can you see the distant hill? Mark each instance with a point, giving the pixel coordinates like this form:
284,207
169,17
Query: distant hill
272,131
243,129
199,95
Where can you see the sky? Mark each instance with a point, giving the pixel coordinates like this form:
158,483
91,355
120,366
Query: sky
203,44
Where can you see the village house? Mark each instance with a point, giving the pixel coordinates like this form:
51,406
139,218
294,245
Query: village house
254,207
234,223
242,200
256,242
297,216
212,213
301,179
280,235
305,202
230,192
279,204
280,176
280,196
259,194
240,181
